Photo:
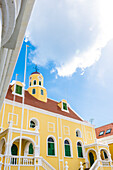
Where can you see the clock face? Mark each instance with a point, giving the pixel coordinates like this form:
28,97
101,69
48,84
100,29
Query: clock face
40,78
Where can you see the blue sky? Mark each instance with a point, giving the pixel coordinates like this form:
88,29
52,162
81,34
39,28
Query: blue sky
72,43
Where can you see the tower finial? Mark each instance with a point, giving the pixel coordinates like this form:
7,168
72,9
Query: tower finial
36,68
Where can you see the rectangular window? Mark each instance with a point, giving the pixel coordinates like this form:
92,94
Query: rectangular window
108,131
101,133
19,89
51,150
65,106
67,150
80,155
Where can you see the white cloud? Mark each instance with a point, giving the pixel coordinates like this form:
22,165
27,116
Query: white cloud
71,33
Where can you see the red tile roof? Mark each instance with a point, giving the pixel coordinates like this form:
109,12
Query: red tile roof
35,72
104,128
50,105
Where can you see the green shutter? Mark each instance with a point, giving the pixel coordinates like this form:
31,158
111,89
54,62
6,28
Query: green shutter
31,148
80,154
67,150
51,149
65,106
18,89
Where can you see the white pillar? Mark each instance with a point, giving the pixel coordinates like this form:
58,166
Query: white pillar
0,25
66,165
81,166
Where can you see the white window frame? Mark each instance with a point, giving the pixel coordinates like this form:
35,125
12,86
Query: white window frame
36,121
83,151
68,130
71,150
64,109
80,136
14,115
55,144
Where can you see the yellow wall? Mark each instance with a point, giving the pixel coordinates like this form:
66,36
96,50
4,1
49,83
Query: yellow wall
111,150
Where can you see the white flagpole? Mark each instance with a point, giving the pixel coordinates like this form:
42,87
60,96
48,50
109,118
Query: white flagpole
20,143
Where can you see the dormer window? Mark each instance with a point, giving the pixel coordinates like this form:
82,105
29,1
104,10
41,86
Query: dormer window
64,106
18,89
39,83
34,82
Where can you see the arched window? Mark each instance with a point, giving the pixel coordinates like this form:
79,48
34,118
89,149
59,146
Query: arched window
67,148
34,82
42,92
78,133
33,91
39,83
31,148
32,124
51,146
79,149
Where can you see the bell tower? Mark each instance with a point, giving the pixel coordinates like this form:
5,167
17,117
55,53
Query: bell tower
36,86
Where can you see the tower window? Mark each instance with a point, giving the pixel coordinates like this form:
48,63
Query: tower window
34,82
64,106
42,92
33,91
30,84
39,83
19,89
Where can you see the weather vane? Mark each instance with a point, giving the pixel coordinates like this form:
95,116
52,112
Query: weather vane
36,68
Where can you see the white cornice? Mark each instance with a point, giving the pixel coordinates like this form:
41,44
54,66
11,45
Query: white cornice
7,101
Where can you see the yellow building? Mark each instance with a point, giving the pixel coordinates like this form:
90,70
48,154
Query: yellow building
40,133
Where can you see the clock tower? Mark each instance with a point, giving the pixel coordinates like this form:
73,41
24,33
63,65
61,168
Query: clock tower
36,86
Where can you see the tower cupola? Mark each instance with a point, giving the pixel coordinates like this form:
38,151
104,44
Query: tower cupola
36,86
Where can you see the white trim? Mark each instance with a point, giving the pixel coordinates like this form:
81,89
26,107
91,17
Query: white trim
77,114
47,112
95,144
89,132
13,114
107,139
71,150
16,94
55,142
27,118
50,127
37,86
23,137
80,134
64,109
65,130
104,149
82,149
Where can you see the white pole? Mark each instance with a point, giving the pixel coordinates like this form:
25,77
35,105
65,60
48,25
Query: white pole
22,110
